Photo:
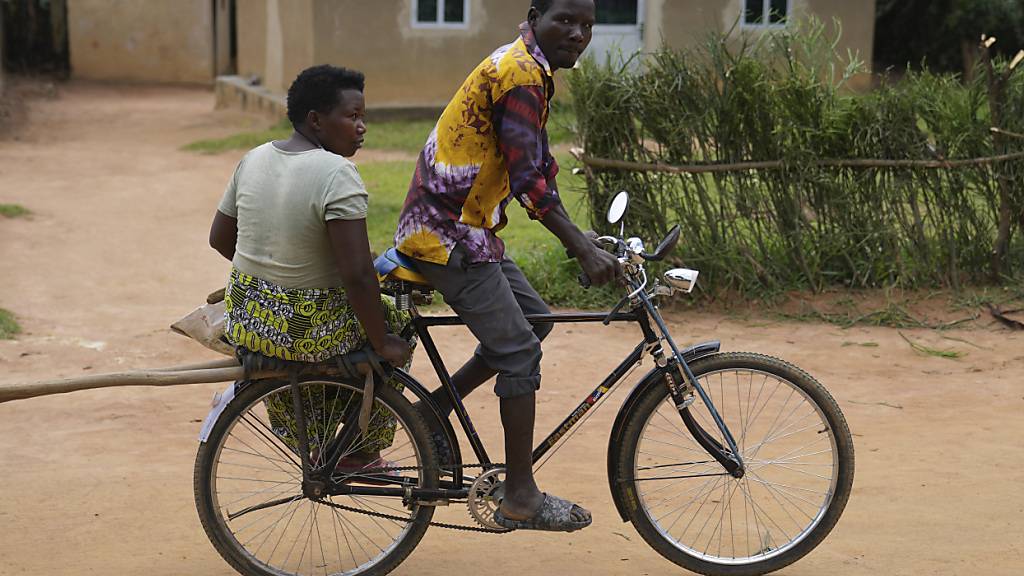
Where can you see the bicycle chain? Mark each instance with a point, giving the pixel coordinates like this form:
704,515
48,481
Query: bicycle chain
405,519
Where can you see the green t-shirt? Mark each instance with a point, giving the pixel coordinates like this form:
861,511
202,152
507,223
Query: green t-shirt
282,201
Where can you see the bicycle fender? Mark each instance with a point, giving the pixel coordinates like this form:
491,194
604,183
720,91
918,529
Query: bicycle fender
655,377
220,402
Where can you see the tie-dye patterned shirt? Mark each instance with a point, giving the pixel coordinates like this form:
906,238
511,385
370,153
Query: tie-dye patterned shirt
489,146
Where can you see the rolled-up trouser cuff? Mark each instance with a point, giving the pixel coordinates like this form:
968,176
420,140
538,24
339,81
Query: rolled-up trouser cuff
509,387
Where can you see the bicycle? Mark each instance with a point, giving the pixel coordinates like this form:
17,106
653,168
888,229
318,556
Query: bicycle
709,499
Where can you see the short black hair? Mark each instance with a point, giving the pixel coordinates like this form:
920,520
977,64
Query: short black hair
542,6
317,87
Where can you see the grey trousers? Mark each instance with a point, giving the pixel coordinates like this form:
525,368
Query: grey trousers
492,299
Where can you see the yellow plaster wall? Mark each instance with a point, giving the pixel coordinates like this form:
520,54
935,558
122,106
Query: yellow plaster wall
154,41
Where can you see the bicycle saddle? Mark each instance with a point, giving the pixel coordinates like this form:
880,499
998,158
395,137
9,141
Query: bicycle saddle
392,264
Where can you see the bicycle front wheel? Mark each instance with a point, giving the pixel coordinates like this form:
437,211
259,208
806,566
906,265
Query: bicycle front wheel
248,482
798,456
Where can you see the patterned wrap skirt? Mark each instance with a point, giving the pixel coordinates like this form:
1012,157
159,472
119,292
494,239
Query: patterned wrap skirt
306,325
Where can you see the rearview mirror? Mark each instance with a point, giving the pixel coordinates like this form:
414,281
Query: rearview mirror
618,207
665,246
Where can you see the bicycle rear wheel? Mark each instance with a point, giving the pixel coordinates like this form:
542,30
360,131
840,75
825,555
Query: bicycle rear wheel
248,483
799,460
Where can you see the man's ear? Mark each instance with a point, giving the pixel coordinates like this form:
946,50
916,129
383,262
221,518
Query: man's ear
533,15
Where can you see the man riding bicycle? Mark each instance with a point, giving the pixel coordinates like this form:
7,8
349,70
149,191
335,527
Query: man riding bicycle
490,146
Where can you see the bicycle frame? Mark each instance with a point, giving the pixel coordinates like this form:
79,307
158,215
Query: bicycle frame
456,488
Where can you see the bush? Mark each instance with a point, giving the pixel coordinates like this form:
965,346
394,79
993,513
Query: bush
804,225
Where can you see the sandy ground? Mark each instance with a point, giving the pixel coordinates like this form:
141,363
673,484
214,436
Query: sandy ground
99,482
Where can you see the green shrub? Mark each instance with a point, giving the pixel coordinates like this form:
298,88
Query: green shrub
8,325
804,225
13,210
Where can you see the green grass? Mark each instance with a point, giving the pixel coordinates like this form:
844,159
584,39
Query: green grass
8,325
862,344
240,141
13,210
404,135
921,349
407,136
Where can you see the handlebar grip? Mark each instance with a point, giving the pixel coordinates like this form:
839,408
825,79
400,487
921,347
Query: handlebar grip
583,279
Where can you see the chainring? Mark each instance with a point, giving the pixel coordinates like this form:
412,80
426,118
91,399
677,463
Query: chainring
485,496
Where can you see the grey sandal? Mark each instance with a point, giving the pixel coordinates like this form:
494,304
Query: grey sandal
554,514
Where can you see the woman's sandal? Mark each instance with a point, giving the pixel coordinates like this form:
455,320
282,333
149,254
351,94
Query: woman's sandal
554,515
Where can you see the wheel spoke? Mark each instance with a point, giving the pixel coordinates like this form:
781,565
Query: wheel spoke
255,481
790,474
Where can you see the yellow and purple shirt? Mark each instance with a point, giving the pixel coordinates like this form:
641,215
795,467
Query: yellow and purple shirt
489,146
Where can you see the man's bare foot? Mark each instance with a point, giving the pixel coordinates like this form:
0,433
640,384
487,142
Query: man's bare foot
521,506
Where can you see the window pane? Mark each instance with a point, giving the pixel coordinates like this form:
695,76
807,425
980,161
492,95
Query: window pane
426,10
753,12
616,11
778,14
453,11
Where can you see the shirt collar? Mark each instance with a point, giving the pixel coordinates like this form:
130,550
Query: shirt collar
526,32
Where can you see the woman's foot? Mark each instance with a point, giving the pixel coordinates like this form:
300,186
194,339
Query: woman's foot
366,468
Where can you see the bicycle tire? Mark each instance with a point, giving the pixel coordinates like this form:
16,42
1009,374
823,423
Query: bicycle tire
776,475
248,405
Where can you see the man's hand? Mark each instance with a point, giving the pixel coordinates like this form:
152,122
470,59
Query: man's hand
395,350
600,266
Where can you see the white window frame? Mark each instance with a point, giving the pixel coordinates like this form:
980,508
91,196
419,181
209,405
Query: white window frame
767,5
440,23
641,10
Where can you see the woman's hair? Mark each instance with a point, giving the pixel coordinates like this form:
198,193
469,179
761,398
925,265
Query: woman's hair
317,87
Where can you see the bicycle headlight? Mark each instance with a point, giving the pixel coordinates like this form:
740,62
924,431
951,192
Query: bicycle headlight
681,279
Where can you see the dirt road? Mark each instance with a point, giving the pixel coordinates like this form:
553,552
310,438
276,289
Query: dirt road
100,482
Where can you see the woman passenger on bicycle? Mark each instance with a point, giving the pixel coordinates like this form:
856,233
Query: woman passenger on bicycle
293,223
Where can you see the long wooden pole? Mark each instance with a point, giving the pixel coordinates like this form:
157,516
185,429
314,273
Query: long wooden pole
137,378
224,370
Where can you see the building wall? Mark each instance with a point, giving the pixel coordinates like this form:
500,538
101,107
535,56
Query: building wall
422,67
686,23
251,31
406,65
154,41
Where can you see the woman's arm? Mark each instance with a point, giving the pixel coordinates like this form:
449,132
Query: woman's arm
224,234
352,253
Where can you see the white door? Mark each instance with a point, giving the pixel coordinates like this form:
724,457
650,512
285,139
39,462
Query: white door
620,27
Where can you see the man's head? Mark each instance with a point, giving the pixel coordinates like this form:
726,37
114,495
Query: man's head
326,102
562,29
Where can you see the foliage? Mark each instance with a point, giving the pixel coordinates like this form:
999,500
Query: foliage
13,210
8,325
936,32
804,226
